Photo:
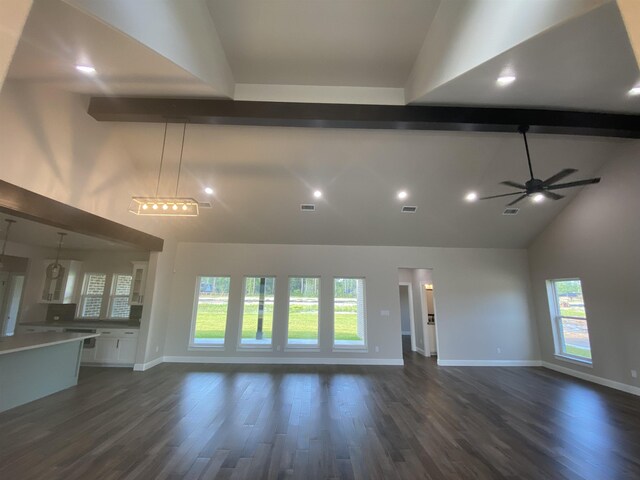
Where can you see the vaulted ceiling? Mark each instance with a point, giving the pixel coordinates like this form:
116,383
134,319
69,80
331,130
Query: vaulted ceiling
574,54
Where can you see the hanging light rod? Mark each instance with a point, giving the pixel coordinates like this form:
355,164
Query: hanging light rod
161,206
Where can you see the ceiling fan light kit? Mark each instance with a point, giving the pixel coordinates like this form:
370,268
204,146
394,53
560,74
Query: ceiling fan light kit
538,189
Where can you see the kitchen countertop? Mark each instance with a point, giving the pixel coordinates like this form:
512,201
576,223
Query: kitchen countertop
18,343
87,324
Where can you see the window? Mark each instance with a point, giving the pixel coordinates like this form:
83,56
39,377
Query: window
120,291
211,308
349,320
92,292
257,311
569,319
304,309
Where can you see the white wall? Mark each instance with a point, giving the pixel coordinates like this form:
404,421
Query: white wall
51,146
483,297
597,239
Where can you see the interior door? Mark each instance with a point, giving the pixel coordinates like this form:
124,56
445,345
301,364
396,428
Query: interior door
13,300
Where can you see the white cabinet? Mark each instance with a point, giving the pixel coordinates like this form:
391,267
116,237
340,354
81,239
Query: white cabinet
62,288
138,283
114,347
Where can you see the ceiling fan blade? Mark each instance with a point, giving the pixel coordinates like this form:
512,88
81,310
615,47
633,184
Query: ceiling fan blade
559,176
552,195
579,183
498,196
517,200
514,184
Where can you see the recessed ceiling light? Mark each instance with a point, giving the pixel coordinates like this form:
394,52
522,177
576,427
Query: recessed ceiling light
635,90
317,194
504,80
538,197
471,197
86,69
208,190
402,195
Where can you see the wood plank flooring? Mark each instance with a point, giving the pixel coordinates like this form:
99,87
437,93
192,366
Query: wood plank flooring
180,421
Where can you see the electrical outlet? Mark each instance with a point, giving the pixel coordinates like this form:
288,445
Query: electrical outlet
377,348
499,350
634,373
278,348
157,348
384,313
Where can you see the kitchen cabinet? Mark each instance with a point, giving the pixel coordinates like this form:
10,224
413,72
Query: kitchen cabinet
114,347
138,283
62,288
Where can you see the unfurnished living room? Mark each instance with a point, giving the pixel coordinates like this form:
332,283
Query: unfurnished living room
319,239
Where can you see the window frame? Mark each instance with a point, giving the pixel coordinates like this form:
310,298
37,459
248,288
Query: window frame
113,296
364,347
193,346
556,324
84,296
249,346
309,347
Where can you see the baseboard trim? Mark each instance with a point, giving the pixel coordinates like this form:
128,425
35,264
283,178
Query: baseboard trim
489,363
286,361
141,367
593,378
406,333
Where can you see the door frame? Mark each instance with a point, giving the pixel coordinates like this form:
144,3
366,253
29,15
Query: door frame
412,327
425,319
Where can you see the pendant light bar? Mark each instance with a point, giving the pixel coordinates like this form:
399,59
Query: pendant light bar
159,206
165,206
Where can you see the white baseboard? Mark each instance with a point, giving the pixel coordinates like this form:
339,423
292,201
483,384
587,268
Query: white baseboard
285,360
141,367
593,378
406,333
489,363
420,351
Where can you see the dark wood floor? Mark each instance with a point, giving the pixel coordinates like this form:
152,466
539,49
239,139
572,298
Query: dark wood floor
181,421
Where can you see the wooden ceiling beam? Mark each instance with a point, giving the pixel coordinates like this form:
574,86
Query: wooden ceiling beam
317,115
18,202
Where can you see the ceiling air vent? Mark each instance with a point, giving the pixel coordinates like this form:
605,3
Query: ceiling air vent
307,207
511,211
204,204
409,209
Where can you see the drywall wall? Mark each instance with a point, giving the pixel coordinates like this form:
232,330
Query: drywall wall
483,299
597,238
13,16
158,294
49,145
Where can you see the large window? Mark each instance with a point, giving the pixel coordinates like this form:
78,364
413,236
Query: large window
211,308
93,288
349,319
257,311
119,301
569,319
304,308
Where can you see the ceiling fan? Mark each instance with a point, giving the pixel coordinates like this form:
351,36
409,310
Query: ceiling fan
540,189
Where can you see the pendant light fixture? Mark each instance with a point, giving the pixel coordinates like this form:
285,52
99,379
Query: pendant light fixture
166,206
6,239
54,270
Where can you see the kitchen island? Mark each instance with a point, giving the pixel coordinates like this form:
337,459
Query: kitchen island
35,365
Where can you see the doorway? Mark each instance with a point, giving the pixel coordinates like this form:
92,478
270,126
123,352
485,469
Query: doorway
417,311
406,317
